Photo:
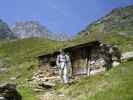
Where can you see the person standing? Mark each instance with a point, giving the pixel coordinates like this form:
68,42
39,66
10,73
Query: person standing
63,63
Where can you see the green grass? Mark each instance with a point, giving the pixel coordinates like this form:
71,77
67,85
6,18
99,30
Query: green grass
20,55
20,58
22,72
27,93
22,50
25,72
122,42
116,84
19,51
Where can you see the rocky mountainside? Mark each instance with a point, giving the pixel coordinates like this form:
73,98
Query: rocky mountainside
5,32
28,29
61,36
119,20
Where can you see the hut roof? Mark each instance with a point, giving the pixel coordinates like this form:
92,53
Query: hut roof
69,48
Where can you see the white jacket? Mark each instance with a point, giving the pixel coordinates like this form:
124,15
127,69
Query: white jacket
63,59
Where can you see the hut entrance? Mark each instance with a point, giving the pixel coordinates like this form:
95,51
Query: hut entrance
80,57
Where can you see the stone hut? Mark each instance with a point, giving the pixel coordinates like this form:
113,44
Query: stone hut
88,58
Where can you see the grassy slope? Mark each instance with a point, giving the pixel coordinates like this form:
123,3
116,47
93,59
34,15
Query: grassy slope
27,49
108,28
27,93
19,56
22,50
21,71
122,42
119,20
115,84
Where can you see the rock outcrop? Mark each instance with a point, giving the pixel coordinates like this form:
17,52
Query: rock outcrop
27,29
119,20
30,29
9,92
5,32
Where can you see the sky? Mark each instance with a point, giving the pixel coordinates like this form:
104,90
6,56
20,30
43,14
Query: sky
59,16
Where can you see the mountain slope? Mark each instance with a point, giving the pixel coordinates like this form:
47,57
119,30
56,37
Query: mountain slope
22,50
119,20
5,32
28,29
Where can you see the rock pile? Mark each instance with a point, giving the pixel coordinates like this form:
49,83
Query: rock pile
45,77
9,92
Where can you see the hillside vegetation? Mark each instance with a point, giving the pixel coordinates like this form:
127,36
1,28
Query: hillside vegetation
19,56
120,41
19,51
115,84
119,20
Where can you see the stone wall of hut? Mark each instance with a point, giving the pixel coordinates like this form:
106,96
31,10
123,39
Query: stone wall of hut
86,59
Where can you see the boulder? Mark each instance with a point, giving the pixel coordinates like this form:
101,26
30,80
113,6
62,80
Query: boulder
127,56
116,63
9,92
